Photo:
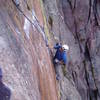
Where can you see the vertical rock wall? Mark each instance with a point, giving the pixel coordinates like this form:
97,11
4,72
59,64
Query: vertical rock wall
24,57
76,22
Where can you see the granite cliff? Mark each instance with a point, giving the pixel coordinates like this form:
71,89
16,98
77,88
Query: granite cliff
28,31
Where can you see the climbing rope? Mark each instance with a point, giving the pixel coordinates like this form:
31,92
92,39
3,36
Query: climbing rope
39,28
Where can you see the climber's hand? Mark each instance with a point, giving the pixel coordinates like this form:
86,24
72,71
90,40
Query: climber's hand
56,60
61,62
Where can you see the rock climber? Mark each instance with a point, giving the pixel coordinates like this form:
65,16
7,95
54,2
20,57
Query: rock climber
60,58
5,92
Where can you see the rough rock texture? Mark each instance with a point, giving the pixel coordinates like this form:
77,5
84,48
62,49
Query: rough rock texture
67,89
24,57
76,22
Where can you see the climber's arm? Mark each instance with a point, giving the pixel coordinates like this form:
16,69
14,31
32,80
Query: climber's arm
57,46
64,59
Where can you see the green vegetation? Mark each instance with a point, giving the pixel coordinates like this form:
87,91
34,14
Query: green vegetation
45,22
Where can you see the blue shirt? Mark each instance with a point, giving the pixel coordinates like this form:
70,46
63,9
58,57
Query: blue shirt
61,56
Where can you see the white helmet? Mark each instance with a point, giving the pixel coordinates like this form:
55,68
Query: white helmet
65,47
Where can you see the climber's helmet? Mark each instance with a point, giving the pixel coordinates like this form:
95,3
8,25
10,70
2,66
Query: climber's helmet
65,47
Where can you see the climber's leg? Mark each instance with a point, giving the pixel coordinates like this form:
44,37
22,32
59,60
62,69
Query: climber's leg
64,70
57,70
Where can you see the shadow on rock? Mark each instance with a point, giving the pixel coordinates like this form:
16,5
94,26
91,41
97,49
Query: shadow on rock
5,92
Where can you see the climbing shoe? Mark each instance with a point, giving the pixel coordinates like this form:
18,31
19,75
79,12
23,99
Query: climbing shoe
57,77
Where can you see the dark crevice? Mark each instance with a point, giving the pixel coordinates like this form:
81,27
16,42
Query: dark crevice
74,75
89,16
50,21
63,3
75,24
95,12
74,5
86,73
77,37
70,4
43,1
86,78
87,54
27,5
90,4
97,5
93,93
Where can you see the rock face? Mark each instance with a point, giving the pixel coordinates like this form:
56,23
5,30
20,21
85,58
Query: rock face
27,27
66,86
24,57
76,22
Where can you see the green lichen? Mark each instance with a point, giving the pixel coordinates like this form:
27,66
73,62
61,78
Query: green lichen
45,22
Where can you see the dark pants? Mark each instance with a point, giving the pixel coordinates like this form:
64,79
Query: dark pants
60,69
